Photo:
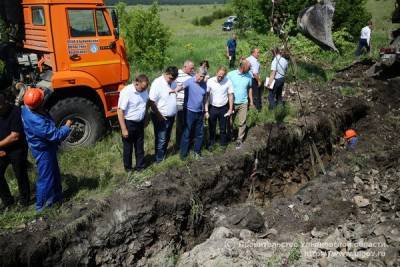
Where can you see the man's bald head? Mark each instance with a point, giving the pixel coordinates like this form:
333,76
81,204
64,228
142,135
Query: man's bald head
244,66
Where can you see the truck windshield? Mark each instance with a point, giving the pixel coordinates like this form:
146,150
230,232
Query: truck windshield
81,23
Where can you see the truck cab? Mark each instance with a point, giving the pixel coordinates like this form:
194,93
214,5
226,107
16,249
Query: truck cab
76,54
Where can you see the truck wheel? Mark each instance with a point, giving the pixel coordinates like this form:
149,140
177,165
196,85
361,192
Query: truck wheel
89,123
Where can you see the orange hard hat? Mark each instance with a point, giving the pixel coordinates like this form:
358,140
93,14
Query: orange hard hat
350,133
33,97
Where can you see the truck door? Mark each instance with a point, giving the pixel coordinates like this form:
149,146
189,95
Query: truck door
91,45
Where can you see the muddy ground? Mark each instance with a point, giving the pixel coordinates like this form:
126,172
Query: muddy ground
203,215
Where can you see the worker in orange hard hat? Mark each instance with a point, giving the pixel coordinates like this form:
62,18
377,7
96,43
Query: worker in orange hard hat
33,98
43,139
350,137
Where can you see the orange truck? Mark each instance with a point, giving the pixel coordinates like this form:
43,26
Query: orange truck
72,49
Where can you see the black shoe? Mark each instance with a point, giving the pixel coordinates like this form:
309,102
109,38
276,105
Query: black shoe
139,169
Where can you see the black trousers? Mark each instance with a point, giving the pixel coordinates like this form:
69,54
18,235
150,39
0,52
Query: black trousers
257,94
135,140
18,161
217,114
275,95
180,123
232,61
362,44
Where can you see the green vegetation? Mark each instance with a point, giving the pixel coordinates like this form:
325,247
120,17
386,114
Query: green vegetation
348,91
97,171
207,20
166,2
145,36
382,17
256,14
294,253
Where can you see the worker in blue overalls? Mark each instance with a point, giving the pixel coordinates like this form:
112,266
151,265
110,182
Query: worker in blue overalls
43,139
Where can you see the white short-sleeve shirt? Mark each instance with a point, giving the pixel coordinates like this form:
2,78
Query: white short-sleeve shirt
182,77
160,94
366,34
254,65
133,103
280,65
219,91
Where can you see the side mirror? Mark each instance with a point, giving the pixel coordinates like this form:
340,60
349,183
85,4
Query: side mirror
116,33
114,18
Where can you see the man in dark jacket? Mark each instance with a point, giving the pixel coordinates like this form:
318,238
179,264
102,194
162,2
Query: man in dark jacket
14,151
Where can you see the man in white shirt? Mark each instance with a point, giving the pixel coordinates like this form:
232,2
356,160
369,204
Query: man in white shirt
255,71
132,109
219,105
279,67
184,74
365,40
163,106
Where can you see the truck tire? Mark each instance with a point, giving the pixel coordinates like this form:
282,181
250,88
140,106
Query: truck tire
89,123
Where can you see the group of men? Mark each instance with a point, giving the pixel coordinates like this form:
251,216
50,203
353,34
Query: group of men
189,97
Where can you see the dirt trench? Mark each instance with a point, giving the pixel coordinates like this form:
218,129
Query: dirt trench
138,222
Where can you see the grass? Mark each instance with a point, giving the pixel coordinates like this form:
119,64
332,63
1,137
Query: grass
294,253
349,91
97,171
381,11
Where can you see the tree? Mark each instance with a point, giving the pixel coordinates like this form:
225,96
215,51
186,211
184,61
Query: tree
257,14
146,37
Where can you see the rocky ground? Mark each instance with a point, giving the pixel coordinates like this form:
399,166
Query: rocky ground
348,217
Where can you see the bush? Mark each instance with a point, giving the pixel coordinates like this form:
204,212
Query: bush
196,21
207,20
146,37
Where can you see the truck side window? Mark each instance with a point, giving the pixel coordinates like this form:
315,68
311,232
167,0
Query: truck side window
102,27
81,23
38,16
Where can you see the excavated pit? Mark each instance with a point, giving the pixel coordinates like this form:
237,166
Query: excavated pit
138,222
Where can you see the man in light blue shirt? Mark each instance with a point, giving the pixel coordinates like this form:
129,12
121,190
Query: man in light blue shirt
241,80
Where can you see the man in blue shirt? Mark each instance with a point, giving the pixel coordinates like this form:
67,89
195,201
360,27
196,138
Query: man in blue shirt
43,138
231,51
242,81
193,104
